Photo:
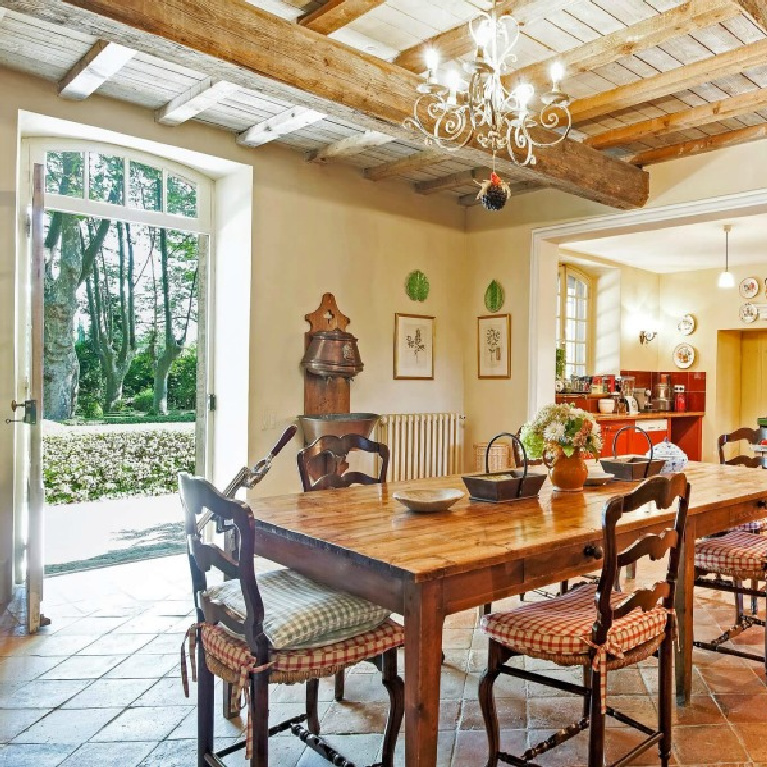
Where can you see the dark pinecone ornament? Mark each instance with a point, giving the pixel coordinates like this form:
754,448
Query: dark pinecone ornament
493,193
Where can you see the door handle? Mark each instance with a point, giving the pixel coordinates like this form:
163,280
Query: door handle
30,412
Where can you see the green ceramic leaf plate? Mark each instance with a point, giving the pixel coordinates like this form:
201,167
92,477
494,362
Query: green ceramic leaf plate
495,296
417,286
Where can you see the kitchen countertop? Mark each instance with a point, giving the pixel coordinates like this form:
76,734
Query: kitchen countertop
645,416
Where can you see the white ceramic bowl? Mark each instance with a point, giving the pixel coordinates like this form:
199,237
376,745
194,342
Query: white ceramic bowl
606,406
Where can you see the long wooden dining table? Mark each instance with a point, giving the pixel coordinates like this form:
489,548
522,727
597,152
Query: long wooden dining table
427,566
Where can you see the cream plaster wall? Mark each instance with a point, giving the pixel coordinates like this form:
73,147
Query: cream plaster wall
315,229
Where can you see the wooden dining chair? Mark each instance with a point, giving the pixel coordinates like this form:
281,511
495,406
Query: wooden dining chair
751,437
239,623
600,629
323,466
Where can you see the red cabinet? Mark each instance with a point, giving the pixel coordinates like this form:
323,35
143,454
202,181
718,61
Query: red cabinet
609,431
684,431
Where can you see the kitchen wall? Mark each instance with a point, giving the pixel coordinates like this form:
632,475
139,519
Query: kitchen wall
716,340
314,229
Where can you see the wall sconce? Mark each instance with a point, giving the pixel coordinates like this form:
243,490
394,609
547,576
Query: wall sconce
645,336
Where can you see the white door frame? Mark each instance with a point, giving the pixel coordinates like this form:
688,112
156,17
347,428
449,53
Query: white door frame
544,254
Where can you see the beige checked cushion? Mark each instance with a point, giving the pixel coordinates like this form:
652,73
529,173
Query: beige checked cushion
297,665
562,626
737,554
298,612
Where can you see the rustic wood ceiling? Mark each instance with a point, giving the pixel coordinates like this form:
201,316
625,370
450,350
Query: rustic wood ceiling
652,79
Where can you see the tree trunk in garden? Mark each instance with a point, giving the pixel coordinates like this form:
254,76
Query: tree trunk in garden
113,318
173,347
62,279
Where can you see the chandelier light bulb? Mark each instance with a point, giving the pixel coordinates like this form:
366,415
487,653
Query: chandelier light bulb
524,94
431,57
453,82
483,33
557,73
726,280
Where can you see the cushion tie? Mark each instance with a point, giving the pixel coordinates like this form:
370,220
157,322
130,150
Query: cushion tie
243,683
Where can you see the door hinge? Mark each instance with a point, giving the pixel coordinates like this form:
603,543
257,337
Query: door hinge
212,402
28,224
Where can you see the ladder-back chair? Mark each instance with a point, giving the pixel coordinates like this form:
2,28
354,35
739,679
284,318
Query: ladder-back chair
600,629
235,623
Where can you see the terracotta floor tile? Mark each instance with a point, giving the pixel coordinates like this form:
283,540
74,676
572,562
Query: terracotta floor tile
147,723
702,710
735,681
553,713
744,709
512,714
471,746
68,726
349,717
711,744
360,749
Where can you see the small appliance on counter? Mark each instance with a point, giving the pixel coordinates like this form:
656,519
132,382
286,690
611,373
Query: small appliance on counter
627,394
680,399
662,400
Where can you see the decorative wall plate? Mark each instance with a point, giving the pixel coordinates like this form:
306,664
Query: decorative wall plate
748,313
495,296
687,325
417,286
684,355
749,287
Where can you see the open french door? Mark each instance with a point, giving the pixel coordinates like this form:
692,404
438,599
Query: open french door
30,424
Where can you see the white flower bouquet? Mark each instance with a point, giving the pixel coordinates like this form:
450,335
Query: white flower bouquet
559,430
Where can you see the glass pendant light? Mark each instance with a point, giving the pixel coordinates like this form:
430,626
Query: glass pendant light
726,280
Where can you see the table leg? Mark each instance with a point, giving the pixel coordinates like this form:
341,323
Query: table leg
423,659
684,613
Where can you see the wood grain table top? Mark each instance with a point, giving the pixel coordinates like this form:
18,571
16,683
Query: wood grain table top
367,525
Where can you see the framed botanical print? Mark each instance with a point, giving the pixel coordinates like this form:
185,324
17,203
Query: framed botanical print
493,346
413,347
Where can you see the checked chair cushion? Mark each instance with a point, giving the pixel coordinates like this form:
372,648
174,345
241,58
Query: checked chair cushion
562,626
559,630
737,554
231,658
298,612
757,526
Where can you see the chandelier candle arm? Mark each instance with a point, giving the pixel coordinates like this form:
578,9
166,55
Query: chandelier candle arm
450,116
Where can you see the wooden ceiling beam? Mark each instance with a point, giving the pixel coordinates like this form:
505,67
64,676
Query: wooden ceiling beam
701,146
236,41
198,98
101,62
457,42
655,30
352,145
756,9
673,81
404,165
335,14
278,126
462,178
684,120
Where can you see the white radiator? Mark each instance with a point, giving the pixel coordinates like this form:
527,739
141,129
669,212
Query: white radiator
422,444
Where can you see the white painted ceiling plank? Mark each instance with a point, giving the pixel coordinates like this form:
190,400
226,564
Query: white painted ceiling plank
101,62
195,100
278,126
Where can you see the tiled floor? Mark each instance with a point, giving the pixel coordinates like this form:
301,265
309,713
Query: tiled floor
100,686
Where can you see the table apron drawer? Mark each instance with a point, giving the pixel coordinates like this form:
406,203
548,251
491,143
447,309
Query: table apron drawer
561,562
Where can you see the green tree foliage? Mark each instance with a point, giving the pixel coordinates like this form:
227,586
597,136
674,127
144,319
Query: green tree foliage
182,381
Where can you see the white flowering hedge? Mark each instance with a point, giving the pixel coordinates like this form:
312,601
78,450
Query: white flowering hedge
86,467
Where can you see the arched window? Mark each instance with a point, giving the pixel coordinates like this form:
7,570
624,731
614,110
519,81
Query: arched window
574,319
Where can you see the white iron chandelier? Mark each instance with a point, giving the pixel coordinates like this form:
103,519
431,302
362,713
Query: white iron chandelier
500,118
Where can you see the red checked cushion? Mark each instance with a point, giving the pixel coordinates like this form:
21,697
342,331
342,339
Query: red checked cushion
235,653
562,625
735,554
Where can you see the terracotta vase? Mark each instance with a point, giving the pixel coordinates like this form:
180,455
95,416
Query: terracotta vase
568,473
